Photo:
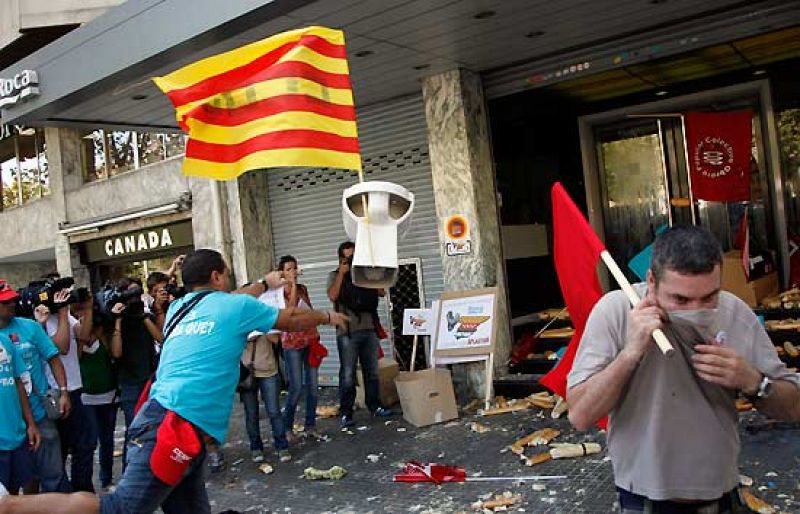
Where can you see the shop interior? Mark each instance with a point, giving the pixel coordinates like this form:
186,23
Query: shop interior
541,136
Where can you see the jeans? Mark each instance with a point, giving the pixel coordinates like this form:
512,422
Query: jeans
139,491
361,345
104,420
78,439
301,375
48,465
270,393
16,467
128,397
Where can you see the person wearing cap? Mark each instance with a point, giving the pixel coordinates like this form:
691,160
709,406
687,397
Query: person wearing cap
75,430
35,349
18,432
191,399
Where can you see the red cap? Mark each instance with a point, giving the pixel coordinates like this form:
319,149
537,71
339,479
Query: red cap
177,445
6,293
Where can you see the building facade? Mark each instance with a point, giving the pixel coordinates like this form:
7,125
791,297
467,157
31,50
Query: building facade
476,107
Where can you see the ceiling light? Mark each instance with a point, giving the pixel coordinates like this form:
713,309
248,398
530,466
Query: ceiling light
662,92
483,15
760,72
364,53
534,33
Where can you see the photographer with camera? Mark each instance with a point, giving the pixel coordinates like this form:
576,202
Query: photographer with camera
75,431
357,340
157,298
133,346
35,349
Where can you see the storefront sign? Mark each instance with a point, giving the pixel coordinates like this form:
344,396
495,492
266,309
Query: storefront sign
140,243
21,86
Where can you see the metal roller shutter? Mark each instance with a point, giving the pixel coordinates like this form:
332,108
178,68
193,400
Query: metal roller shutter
305,207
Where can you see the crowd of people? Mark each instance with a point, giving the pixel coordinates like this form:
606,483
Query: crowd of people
68,371
672,422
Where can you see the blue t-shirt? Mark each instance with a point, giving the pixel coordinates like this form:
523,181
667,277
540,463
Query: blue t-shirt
12,428
35,348
199,366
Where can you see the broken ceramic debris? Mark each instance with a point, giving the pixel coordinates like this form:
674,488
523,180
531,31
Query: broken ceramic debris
479,428
500,502
266,469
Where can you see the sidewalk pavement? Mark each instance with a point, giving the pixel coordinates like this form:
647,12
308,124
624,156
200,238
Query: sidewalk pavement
374,450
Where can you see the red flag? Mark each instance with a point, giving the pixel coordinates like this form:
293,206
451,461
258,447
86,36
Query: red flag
576,250
719,147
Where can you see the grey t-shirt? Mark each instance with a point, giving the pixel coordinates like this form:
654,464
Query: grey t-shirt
358,321
673,435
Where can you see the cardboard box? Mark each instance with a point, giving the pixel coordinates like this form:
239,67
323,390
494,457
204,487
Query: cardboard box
387,371
427,396
734,280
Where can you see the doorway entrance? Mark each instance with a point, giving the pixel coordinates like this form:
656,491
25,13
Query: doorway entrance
637,175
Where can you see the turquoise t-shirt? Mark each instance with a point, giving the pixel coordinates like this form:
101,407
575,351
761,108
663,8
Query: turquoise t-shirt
199,366
12,429
35,348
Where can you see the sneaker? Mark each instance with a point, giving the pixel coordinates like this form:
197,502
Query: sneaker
382,412
257,456
284,455
347,421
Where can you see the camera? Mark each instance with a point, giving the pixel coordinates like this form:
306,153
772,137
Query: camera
174,291
114,296
42,292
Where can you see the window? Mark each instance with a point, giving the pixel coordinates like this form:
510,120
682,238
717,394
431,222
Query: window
23,165
109,153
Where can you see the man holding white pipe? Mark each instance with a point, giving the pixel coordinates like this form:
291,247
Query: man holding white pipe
672,436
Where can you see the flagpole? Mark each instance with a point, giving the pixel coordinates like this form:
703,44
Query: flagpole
688,167
658,335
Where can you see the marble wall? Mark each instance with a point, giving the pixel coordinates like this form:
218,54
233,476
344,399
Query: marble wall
464,184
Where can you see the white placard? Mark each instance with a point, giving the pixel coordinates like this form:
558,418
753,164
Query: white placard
275,298
466,323
418,322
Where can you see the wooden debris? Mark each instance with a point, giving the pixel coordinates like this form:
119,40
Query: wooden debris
772,302
542,404
494,411
779,350
548,314
538,438
557,333
536,459
755,503
327,411
472,406
566,451
501,402
792,295
500,502
791,349
479,428
782,324
560,408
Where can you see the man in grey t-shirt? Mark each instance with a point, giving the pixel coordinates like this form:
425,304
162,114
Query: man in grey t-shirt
357,341
672,434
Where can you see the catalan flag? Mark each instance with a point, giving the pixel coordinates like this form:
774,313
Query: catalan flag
282,101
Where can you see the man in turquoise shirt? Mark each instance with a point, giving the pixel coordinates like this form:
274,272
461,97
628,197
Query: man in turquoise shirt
196,380
17,430
35,349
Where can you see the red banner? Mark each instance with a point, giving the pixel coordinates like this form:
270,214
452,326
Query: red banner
719,147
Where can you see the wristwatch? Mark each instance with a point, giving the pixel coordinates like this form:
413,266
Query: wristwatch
263,282
763,391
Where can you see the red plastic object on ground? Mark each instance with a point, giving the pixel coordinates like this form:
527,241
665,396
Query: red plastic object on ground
437,473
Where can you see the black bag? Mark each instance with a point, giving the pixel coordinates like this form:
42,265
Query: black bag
358,299
247,374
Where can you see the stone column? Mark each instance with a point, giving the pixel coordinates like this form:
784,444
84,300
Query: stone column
250,226
65,165
464,184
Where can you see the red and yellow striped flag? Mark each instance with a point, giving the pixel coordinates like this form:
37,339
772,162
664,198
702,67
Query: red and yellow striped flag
282,101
